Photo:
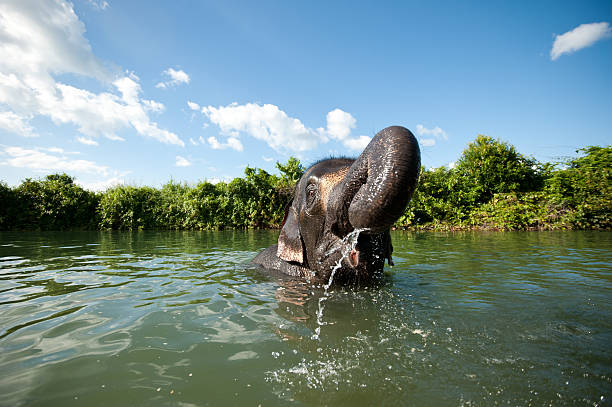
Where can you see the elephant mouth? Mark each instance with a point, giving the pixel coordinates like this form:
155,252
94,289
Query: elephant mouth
353,261
353,258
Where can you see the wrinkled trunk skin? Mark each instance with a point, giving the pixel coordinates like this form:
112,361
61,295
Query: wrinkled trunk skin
378,186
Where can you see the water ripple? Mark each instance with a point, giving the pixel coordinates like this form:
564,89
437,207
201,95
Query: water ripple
176,318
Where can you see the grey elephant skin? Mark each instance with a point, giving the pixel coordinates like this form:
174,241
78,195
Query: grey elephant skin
339,196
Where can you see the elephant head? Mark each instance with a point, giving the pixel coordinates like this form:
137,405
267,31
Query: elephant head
342,210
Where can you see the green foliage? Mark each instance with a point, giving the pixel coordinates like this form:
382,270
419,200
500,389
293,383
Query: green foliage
255,201
127,207
8,207
54,203
488,167
584,187
290,172
519,211
491,187
430,202
495,187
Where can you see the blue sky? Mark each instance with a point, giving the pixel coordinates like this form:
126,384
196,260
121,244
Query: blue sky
141,92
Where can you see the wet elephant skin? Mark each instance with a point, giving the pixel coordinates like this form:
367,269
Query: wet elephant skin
339,196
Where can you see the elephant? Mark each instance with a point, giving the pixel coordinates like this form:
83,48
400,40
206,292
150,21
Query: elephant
337,225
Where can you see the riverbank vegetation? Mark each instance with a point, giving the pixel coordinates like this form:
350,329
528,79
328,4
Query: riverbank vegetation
492,187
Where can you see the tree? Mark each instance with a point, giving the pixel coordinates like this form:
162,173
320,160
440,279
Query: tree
55,203
290,172
489,166
584,187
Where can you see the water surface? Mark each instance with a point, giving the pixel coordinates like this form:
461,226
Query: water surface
176,318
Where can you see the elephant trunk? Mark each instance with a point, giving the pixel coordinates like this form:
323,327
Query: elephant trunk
379,184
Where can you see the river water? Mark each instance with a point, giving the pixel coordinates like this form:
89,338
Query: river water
178,319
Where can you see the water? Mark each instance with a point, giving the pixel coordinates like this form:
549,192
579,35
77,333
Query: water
175,318
351,239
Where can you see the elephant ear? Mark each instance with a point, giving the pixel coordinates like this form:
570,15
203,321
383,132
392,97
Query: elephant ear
290,241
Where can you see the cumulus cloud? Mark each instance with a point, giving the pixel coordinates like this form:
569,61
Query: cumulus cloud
153,106
280,131
580,37
358,143
101,185
87,141
431,135
427,142
14,123
43,39
232,142
264,122
182,161
59,161
174,78
193,105
435,132
339,126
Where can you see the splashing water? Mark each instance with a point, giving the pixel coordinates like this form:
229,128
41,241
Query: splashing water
346,245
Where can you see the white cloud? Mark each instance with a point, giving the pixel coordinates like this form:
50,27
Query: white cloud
432,135
580,37
232,142
56,150
193,105
357,143
267,123
452,164
153,106
275,127
182,161
37,160
193,142
214,143
427,142
13,123
339,124
43,39
98,4
87,141
435,132
101,185
175,78
267,159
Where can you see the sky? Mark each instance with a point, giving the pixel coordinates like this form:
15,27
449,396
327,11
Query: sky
145,92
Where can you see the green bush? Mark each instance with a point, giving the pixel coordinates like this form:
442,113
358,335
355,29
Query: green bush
518,211
132,208
489,166
8,207
54,203
584,187
491,187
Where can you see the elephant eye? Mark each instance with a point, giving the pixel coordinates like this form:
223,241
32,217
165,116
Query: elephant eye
311,194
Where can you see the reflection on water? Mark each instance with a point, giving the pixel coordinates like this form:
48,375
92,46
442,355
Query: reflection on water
139,318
